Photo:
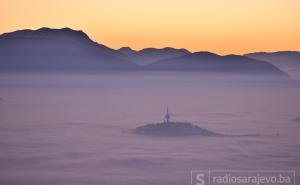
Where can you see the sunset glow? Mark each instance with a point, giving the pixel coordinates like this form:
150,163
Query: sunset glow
221,26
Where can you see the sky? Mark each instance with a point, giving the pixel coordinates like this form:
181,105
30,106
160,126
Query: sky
220,26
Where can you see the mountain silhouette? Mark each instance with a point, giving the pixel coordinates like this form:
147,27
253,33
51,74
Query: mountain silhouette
287,61
65,48
151,55
126,51
210,62
68,49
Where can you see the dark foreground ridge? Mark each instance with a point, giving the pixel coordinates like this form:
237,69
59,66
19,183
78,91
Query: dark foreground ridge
173,129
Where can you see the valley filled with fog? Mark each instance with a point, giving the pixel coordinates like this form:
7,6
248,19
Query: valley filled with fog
74,128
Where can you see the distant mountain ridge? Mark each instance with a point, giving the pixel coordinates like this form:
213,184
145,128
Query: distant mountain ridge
67,49
210,62
126,51
150,55
64,34
287,61
278,58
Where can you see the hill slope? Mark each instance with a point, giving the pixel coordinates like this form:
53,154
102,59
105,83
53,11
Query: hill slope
151,55
287,61
210,62
65,48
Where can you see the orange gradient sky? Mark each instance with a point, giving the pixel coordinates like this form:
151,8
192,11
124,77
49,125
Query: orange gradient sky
220,26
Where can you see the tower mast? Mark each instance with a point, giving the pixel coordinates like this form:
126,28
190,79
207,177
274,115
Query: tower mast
167,116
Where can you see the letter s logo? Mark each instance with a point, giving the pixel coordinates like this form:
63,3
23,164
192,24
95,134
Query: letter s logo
200,179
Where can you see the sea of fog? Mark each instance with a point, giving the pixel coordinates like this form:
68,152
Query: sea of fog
74,128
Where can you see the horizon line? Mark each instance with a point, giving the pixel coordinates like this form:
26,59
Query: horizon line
150,47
